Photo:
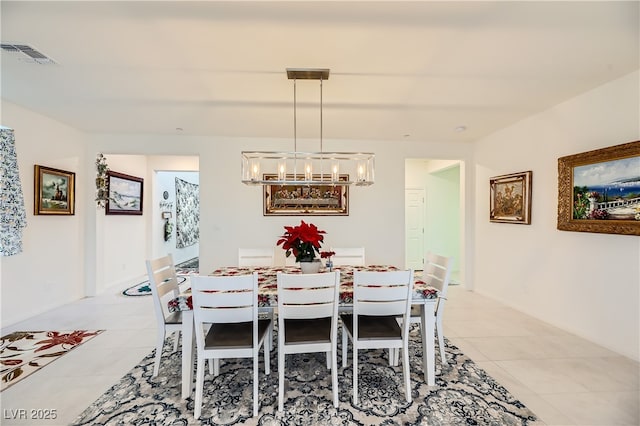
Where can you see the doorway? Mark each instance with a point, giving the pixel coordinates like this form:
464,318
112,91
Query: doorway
433,202
123,243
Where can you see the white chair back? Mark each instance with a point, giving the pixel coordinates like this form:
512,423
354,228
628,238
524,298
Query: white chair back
437,273
352,256
163,281
308,295
382,294
256,256
224,299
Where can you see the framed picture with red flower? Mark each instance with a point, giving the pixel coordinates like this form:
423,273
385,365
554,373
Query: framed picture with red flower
306,200
599,190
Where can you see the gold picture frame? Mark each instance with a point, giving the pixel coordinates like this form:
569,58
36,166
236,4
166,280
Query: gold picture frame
54,191
599,190
306,200
510,198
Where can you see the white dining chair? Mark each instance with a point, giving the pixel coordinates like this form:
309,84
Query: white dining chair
256,256
350,256
378,297
436,273
164,287
308,321
228,306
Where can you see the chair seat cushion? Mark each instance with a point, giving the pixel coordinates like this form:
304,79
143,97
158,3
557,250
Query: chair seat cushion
174,318
317,330
374,327
234,335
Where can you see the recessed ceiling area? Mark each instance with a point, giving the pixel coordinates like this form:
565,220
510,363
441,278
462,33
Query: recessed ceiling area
218,69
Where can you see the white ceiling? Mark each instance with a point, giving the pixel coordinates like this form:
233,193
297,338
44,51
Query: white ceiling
414,70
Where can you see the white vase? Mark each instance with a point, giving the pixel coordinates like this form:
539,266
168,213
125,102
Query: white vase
312,267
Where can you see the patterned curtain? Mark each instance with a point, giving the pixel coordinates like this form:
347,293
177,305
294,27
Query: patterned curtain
13,217
187,213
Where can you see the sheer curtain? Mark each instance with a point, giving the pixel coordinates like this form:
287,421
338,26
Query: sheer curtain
13,217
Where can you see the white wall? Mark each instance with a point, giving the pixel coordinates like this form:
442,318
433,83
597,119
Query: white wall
231,214
121,240
583,282
48,273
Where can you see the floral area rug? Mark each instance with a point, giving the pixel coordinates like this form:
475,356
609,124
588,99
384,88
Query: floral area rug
464,394
144,289
24,352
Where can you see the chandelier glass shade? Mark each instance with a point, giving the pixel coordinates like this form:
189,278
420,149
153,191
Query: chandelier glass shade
307,168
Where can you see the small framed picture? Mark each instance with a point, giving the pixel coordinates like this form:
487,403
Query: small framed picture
510,200
125,194
54,191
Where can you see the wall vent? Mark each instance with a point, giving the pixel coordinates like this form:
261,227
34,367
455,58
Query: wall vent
32,55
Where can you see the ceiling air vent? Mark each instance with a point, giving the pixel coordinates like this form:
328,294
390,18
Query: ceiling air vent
32,54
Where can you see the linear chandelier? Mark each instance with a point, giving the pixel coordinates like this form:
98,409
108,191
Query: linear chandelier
307,168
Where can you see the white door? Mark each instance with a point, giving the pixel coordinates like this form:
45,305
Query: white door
414,227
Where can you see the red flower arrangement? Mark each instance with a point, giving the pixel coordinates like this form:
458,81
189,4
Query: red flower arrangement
325,254
302,240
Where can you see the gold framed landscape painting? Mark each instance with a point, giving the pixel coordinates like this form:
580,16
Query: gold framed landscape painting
599,190
54,191
306,200
510,198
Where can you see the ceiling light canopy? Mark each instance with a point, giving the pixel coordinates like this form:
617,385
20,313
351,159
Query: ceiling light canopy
307,168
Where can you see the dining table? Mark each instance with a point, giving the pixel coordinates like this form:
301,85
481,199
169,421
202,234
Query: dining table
423,295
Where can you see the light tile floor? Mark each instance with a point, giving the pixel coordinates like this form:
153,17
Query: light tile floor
565,380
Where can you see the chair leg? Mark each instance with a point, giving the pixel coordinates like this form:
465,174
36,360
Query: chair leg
355,374
199,387
159,346
329,360
256,351
211,361
345,350
334,375
176,339
280,378
216,367
440,332
267,359
405,371
394,357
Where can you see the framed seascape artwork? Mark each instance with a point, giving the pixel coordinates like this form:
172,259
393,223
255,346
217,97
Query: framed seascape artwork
125,194
510,199
54,191
599,191
306,200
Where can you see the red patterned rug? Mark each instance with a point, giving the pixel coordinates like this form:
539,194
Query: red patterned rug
24,352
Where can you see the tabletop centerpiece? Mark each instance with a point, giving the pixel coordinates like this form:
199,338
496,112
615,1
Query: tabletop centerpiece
327,255
304,241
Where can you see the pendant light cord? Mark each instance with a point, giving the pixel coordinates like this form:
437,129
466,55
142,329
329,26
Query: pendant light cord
295,129
321,150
